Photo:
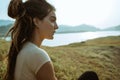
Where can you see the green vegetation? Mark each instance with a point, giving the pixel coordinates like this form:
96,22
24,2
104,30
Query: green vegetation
101,55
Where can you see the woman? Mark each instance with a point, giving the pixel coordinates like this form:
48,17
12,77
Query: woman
35,20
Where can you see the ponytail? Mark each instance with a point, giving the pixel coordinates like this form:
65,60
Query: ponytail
15,11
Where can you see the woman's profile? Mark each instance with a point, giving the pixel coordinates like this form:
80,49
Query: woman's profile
35,20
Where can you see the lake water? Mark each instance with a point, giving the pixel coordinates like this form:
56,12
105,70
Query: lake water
67,38
64,39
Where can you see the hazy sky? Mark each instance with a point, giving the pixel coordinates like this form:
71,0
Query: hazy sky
99,13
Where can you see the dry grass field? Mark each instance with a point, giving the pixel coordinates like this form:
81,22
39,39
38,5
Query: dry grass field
101,55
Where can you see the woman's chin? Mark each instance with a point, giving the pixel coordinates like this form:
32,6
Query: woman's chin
51,38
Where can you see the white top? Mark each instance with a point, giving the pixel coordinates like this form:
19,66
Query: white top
29,60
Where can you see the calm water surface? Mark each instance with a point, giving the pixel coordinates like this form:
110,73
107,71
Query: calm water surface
67,38
64,39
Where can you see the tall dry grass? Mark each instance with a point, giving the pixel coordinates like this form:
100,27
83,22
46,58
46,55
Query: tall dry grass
100,55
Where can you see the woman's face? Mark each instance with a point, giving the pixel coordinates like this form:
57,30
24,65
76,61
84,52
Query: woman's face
47,26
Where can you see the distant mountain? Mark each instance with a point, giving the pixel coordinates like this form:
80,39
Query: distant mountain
114,28
5,22
80,28
4,29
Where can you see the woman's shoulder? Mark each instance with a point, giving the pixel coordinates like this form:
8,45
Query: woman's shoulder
32,49
33,56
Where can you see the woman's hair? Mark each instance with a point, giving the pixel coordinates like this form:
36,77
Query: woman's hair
23,28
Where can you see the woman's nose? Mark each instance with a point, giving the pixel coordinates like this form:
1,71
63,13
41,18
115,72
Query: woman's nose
56,26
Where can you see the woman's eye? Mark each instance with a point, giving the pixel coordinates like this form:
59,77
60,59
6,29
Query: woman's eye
52,20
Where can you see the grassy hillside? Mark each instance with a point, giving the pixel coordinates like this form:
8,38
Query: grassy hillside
100,55
4,29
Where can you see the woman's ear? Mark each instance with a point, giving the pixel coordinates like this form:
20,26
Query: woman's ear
37,22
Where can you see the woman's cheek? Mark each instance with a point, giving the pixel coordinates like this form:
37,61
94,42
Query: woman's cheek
53,24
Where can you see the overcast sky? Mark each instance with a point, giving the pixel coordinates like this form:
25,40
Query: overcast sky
99,13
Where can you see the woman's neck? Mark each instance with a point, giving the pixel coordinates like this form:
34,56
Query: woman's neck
36,39
37,42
